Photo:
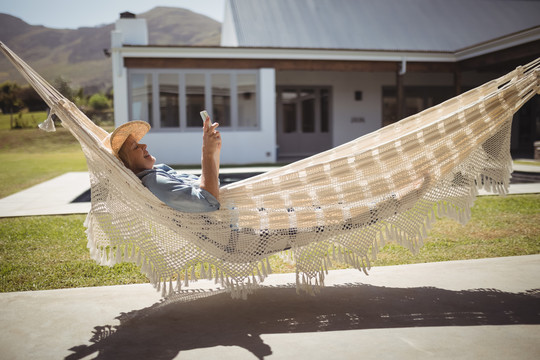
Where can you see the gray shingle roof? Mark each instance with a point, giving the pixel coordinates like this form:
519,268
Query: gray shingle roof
394,25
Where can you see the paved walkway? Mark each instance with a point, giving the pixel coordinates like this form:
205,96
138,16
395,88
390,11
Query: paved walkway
476,309
54,197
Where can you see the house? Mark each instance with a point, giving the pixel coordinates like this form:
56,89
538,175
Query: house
293,78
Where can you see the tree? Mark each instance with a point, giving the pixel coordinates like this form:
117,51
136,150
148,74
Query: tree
62,85
9,99
98,102
31,99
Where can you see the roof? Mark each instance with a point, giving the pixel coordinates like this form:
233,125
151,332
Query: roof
389,25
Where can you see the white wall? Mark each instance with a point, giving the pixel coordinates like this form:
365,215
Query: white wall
134,31
228,31
127,31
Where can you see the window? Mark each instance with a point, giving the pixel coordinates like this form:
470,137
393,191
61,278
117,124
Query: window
141,97
230,96
416,99
303,109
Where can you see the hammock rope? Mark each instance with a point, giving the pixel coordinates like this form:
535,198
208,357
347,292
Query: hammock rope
340,205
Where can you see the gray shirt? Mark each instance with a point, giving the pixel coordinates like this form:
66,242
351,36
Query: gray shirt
180,191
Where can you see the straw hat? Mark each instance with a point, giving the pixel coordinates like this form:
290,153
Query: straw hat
116,139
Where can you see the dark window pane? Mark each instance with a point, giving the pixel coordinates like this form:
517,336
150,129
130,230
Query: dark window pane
325,110
195,102
221,99
168,100
308,116
289,99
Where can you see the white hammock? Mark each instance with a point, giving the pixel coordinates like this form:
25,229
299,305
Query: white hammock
342,204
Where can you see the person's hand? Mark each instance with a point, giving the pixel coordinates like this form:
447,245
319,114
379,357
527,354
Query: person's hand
211,138
210,158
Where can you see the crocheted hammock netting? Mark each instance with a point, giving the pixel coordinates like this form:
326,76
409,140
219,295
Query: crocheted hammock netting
341,205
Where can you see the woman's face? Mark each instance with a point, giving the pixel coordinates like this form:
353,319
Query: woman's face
135,156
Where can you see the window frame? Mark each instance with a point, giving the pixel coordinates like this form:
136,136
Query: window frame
156,118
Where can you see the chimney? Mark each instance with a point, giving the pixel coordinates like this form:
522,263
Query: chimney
129,31
127,15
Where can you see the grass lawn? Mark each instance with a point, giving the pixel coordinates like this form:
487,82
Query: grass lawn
31,156
49,252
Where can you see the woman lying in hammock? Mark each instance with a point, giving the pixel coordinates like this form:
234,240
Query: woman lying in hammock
183,192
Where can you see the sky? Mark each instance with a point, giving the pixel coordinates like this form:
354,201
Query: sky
72,14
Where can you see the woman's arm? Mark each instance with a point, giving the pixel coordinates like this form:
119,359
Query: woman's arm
211,150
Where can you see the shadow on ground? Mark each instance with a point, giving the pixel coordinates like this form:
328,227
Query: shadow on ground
192,320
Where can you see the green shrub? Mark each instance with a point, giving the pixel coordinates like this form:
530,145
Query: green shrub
98,102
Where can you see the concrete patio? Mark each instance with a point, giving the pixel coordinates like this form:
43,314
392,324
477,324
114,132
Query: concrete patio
476,309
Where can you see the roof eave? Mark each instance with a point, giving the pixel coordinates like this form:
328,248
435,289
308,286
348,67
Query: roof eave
506,42
221,52
283,53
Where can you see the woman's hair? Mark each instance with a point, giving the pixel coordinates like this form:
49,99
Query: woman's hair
123,156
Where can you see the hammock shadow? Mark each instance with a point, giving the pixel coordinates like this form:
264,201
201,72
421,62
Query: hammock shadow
193,320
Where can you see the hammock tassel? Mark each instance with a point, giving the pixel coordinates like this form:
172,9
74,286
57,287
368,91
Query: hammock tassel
118,259
203,272
433,216
209,273
48,125
134,254
221,278
103,256
178,282
330,265
186,279
93,251
171,289
340,255
144,266
164,290
265,274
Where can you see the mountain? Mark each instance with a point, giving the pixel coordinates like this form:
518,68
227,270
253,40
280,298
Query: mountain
77,55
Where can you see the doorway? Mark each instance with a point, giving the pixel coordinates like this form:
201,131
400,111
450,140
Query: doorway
303,121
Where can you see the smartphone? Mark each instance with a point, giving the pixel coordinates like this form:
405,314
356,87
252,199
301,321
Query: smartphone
204,115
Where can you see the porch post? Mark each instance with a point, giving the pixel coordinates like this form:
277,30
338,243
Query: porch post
400,101
267,111
457,82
